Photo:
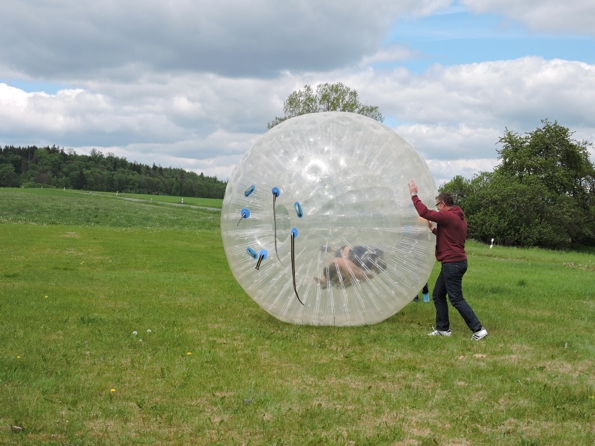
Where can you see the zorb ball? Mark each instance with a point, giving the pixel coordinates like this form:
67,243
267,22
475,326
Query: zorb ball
318,224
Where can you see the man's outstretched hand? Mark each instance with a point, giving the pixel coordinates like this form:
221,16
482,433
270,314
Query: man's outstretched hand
412,187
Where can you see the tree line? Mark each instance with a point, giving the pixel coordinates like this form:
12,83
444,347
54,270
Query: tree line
34,166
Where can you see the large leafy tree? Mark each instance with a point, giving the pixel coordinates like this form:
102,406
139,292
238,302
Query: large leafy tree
541,194
550,154
328,97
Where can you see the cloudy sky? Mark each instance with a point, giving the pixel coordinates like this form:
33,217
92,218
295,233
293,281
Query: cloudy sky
192,84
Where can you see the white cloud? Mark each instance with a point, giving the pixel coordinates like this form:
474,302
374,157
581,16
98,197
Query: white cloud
453,142
509,91
573,16
83,39
479,100
75,116
444,171
391,53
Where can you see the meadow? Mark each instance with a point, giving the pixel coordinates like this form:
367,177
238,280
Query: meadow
204,202
121,323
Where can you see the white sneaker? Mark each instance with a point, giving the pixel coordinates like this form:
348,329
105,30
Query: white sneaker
479,334
440,333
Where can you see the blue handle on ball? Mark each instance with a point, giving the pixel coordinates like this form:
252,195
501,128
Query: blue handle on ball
248,191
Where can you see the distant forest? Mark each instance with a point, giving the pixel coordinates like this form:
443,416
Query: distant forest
52,166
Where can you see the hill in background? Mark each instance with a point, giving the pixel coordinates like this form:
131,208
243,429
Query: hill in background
53,167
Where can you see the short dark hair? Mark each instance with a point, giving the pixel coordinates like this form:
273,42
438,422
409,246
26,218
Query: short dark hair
364,256
446,199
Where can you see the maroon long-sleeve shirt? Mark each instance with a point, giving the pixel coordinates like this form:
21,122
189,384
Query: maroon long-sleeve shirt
451,232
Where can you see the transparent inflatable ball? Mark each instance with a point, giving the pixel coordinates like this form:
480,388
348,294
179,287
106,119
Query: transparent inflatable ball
318,225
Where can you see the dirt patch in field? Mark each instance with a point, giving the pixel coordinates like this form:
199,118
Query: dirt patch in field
565,368
70,235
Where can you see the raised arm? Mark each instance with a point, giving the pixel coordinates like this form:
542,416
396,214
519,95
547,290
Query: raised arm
422,209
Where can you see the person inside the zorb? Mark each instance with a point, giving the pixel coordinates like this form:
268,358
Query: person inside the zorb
351,263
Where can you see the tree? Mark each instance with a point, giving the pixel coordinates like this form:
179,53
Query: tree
541,194
328,97
80,180
550,154
8,177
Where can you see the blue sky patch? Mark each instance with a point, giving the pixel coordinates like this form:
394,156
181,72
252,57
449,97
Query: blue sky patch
35,86
455,38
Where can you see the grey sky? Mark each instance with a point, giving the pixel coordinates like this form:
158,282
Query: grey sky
120,40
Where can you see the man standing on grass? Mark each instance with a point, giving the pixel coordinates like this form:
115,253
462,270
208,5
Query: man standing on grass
450,251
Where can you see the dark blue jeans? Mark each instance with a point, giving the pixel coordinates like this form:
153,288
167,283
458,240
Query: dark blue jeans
450,282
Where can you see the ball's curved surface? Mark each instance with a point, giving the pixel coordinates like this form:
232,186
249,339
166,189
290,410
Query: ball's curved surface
361,252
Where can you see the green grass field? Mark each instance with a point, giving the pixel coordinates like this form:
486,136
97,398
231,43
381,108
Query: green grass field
122,324
149,199
74,208
206,202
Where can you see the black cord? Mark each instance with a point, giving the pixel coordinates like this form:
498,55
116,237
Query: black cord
260,259
293,266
